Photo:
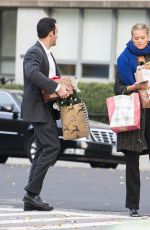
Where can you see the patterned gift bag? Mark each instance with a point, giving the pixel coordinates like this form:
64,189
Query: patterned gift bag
124,112
75,122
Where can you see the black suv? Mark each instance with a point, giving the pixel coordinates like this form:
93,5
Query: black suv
17,138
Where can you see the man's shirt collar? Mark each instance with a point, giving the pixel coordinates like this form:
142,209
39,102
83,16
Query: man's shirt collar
47,51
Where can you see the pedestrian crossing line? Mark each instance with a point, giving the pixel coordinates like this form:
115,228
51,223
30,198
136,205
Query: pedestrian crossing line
11,209
69,212
90,213
60,219
30,219
75,226
63,226
38,220
57,212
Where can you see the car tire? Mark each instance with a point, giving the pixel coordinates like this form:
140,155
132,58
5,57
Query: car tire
103,165
30,146
3,159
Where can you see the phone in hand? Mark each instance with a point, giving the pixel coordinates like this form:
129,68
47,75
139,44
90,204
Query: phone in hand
143,82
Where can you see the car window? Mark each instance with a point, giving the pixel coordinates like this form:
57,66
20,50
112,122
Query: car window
19,96
5,99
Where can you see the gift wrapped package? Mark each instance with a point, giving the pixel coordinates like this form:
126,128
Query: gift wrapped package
143,74
54,96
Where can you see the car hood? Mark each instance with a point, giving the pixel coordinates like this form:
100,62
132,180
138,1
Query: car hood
97,124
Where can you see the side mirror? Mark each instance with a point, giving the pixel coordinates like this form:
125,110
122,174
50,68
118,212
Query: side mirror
6,108
10,108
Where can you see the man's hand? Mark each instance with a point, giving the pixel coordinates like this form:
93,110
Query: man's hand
63,92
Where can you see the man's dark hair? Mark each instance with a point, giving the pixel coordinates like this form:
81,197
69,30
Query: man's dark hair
44,26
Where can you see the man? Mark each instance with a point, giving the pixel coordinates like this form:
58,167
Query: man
38,66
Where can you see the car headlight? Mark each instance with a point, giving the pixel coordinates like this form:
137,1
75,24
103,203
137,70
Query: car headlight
115,153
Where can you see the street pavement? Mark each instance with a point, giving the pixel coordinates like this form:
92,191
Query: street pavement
17,219
14,218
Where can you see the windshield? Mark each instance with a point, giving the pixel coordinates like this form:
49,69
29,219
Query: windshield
19,96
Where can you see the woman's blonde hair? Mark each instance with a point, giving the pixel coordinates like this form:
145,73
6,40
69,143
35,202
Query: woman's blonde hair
140,26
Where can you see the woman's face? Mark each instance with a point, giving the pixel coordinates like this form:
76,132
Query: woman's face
140,38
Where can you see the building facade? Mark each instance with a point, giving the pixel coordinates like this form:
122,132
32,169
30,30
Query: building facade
91,34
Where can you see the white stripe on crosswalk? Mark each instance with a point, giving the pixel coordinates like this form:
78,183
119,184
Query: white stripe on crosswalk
65,213
65,226
38,220
17,219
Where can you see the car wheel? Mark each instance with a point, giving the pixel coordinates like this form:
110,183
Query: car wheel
30,146
3,159
103,165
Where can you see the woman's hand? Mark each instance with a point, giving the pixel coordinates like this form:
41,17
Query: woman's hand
139,86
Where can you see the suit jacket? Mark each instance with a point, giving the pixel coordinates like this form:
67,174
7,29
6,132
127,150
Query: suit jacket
36,71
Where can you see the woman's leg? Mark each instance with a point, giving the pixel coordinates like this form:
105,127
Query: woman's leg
132,180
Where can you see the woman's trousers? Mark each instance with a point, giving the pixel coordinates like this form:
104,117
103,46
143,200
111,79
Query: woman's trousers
132,180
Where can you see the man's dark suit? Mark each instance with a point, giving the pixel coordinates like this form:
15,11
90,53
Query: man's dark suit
42,116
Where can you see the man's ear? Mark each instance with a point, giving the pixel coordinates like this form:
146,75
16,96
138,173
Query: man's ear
51,33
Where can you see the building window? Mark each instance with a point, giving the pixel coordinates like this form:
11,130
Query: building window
84,37
66,69
7,42
67,42
96,41
126,19
90,40
95,70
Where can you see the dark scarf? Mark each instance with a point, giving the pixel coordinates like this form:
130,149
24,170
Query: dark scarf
127,62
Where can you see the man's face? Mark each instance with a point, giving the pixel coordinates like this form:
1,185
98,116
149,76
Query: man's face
54,35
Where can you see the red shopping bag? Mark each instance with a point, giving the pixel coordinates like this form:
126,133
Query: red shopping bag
124,112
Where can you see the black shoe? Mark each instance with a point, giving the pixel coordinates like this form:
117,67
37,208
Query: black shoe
34,200
40,199
134,213
31,207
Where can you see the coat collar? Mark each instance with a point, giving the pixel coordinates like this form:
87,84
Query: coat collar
39,44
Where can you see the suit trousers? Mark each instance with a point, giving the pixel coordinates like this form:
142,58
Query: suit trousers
48,148
132,180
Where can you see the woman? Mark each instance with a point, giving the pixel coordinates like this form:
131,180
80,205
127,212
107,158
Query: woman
133,143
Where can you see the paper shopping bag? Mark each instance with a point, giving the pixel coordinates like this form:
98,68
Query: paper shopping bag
75,122
124,112
143,74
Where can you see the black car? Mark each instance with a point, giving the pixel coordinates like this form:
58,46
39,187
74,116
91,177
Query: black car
17,138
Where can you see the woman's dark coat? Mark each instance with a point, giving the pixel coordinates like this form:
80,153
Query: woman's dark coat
137,140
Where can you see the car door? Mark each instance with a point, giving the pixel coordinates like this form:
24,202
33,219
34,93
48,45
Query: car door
10,138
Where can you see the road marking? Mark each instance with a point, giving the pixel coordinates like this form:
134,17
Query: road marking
65,213
74,226
49,219
64,226
61,219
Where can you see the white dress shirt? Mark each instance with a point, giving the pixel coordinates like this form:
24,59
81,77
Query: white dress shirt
52,66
